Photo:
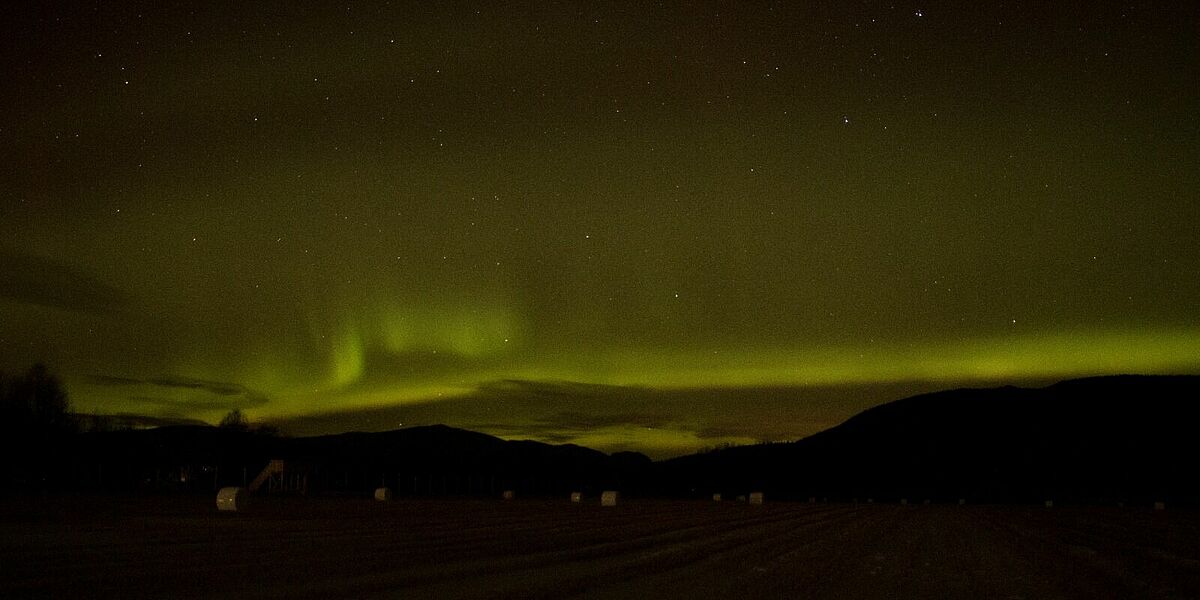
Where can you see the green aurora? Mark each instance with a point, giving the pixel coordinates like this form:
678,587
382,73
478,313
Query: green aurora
629,227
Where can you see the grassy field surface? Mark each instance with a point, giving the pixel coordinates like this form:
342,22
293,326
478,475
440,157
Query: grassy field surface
180,546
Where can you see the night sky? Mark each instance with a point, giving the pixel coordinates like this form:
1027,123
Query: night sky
649,226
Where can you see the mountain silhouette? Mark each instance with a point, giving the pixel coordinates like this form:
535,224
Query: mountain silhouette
428,460
1104,439
1096,440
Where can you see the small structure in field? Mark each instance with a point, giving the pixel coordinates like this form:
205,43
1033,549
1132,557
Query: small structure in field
609,498
1049,504
576,497
383,494
282,476
231,499
756,498
1160,505
508,495
716,497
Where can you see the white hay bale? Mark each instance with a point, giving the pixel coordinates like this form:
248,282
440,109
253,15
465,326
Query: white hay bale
508,495
716,497
231,499
1049,504
383,494
609,498
756,498
1160,505
576,496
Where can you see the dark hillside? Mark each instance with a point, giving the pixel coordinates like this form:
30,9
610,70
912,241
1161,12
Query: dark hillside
433,460
1100,439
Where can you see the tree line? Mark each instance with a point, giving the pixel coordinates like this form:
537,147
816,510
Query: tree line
36,426
35,405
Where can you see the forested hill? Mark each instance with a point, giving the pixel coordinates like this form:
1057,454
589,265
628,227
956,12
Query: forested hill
1122,438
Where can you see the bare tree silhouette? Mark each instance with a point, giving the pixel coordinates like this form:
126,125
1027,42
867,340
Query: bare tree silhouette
35,422
234,420
35,405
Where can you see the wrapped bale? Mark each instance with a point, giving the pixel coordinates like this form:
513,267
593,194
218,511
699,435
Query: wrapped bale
231,499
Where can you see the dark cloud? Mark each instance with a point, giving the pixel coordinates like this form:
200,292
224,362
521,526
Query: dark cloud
566,411
127,420
113,380
211,395
578,421
35,280
215,387
516,408
557,390
753,431
186,405
571,424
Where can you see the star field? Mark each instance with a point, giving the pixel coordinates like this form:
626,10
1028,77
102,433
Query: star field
347,209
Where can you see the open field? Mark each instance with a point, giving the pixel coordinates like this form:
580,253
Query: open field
182,547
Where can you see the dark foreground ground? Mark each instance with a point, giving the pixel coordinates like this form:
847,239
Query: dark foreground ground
181,547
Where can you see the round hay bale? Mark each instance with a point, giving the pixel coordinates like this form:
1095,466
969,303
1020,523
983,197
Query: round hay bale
756,498
576,496
383,494
231,499
609,498
508,495
716,497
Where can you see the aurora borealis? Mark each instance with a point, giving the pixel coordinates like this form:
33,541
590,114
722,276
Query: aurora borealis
629,225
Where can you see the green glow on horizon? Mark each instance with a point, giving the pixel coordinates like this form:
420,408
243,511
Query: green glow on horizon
1062,356
310,212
